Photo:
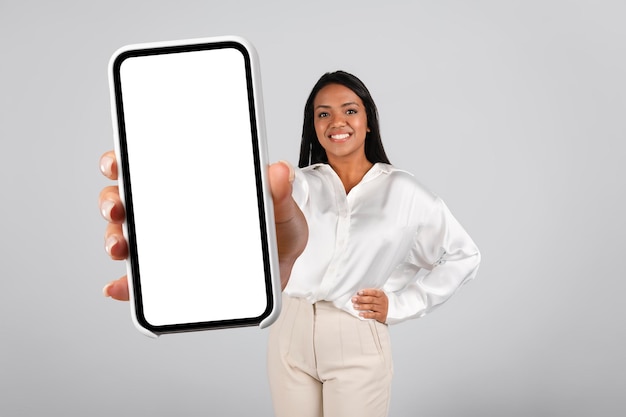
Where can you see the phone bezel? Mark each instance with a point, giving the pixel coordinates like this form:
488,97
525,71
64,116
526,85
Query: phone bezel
265,209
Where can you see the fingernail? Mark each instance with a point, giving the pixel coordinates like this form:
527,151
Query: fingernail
110,242
105,290
292,172
106,207
355,299
106,164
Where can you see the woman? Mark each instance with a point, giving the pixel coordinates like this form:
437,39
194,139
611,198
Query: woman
381,249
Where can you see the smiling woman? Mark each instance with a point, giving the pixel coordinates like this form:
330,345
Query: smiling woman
381,249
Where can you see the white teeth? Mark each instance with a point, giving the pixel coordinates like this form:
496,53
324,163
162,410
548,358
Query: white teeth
339,137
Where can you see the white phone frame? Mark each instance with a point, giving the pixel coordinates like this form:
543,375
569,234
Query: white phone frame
272,271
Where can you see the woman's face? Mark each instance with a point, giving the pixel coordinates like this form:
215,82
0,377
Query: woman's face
340,122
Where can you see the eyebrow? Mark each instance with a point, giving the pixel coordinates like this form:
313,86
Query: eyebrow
326,106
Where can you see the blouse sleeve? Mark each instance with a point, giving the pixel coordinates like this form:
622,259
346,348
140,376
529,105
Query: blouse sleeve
300,188
442,258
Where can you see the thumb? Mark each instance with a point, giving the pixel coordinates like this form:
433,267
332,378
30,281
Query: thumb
281,175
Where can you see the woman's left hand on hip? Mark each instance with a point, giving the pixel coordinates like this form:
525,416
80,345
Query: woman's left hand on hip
371,303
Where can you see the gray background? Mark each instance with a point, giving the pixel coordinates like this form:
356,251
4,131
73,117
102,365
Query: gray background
512,111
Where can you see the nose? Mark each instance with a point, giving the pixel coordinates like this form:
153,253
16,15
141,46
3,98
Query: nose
338,120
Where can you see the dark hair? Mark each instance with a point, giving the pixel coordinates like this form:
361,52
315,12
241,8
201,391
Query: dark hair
311,152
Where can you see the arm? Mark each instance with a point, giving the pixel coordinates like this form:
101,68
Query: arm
443,258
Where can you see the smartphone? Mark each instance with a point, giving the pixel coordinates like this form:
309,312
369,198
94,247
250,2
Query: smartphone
192,159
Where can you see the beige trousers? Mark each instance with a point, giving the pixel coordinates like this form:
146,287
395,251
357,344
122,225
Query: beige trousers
325,362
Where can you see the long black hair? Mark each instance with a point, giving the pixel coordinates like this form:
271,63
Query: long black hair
311,152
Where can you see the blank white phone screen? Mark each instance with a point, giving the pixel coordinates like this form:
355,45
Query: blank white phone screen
194,193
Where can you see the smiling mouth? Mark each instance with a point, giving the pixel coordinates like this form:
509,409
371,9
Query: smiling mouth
340,136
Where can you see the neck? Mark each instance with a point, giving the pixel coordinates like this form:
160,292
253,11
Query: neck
350,172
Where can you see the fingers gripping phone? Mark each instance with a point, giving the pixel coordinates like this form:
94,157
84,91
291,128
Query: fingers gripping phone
190,143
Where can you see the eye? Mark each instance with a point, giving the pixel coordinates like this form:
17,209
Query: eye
351,111
322,115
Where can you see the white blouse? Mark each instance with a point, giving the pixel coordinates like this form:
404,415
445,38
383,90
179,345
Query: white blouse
388,232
